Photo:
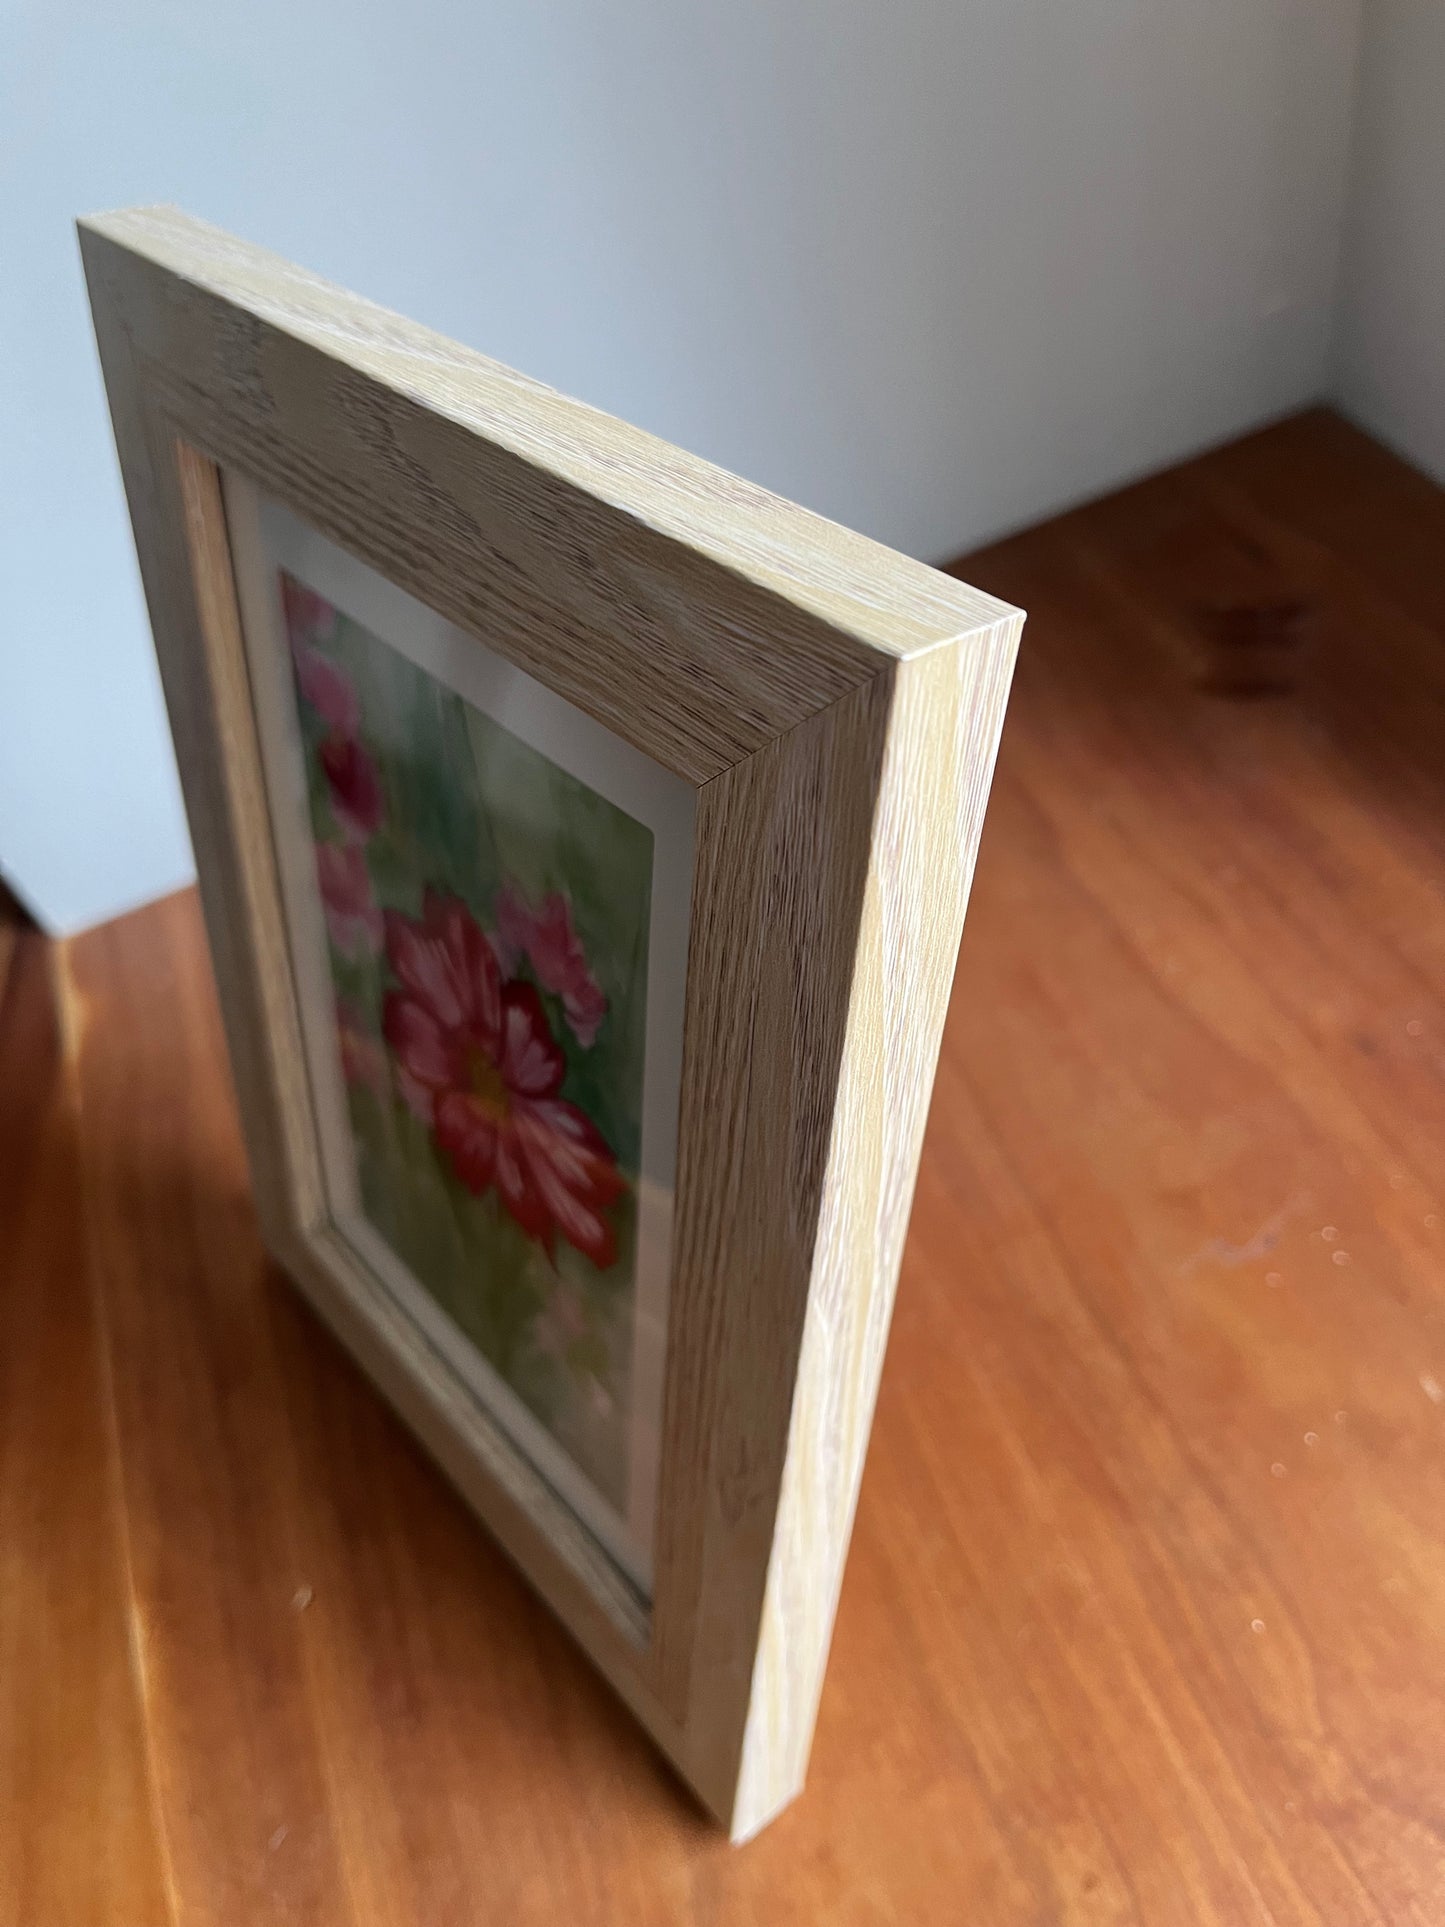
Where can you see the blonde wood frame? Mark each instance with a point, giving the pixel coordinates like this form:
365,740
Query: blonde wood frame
837,708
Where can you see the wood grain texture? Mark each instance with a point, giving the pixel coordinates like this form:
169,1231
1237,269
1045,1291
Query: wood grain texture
768,658
784,854
79,1837
288,1181
200,1419
1096,1661
697,615
925,835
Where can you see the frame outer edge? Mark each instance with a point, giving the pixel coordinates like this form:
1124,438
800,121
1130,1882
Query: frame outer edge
747,1704
158,516
944,731
889,603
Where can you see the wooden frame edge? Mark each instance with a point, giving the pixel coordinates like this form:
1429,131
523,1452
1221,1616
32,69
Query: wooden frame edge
747,530
943,737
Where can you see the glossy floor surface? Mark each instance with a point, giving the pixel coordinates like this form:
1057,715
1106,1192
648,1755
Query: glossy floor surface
1144,1623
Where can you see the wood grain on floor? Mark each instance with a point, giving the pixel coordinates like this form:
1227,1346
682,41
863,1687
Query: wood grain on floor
1145,1618
79,1840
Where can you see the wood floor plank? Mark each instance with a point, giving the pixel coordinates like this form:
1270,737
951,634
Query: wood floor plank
454,1709
199,1411
78,1839
1144,1624
1226,1112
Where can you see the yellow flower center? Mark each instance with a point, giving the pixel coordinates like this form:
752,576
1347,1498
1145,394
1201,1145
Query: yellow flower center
486,1083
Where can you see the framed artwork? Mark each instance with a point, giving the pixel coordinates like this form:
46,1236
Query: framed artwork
584,838
485,897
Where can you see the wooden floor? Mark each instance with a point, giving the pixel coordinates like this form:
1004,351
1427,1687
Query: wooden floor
1145,1618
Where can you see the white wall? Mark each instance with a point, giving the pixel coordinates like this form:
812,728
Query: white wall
935,267
1391,372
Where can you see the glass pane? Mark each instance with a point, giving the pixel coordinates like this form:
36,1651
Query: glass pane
487,899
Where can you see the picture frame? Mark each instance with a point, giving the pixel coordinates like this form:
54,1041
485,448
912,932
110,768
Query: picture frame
584,837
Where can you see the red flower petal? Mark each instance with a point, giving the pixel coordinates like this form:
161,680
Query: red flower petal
546,937
468,1135
418,1099
327,688
419,1042
357,798
532,1064
478,1061
421,962
343,876
585,1007
579,1224
471,957
445,959
352,919
572,1142
519,1191
575,1173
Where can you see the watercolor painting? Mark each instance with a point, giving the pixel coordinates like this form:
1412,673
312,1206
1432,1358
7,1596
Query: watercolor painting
487,919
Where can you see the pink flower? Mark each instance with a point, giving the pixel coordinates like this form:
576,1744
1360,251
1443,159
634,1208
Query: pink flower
323,685
357,798
363,1060
352,918
328,689
546,937
478,1056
